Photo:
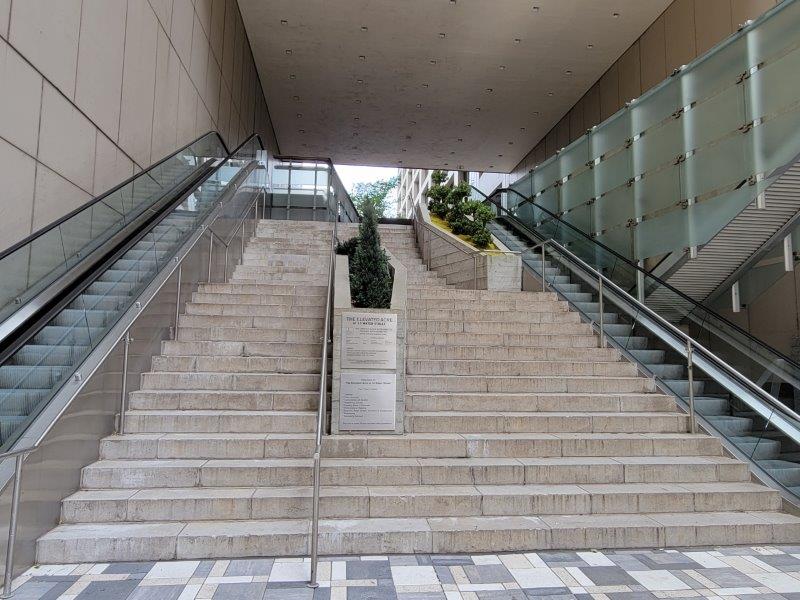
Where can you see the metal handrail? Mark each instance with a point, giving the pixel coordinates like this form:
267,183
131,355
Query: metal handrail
20,453
686,341
322,408
473,254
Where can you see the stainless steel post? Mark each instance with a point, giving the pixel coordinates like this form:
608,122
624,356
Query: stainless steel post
12,526
475,271
690,377
210,253
178,299
123,397
544,277
600,292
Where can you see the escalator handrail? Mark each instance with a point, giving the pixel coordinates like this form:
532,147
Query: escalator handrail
677,333
21,332
660,282
40,232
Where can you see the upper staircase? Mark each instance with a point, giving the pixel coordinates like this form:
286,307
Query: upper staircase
522,433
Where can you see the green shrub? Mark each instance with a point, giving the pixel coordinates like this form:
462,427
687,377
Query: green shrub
347,247
370,277
464,216
481,238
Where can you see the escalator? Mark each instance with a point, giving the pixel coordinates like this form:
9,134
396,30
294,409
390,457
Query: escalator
759,422
66,285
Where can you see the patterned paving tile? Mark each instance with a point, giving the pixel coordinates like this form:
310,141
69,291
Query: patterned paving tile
743,573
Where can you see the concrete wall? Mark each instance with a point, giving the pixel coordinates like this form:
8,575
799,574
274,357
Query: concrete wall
687,29
92,91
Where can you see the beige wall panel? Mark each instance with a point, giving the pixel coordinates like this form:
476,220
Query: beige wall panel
203,122
203,10
5,12
630,74
181,30
712,19
199,64
163,10
66,139
211,93
20,100
238,64
139,79
187,109
224,120
679,33
111,166
46,33
165,115
576,125
217,27
100,57
591,107
562,132
609,92
229,41
18,171
769,320
742,10
653,54
54,196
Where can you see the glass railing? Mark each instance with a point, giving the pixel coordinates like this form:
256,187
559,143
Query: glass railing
673,167
749,356
308,189
32,264
36,367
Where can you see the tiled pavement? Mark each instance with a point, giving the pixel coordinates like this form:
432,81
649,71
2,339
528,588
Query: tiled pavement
765,573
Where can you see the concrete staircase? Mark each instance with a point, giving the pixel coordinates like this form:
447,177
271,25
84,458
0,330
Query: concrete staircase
522,434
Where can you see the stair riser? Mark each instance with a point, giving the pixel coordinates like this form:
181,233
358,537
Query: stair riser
201,446
237,364
231,423
235,334
432,423
267,290
520,368
448,340
259,299
240,349
254,310
481,353
422,383
223,400
292,323
359,503
502,403
567,327
229,381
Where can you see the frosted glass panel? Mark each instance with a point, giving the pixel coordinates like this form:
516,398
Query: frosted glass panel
658,191
659,146
577,190
574,157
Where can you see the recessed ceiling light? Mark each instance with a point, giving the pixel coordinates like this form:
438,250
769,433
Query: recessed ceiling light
522,129
362,57
356,118
568,72
355,134
550,93
452,1
301,130
535,8
412,122
489,90
460,139
292,76
288,51
510,143
536,113
446,164
419,105
355,147
403,150
364,28
502,67
615,15
358,101
305,145
491,166
408,137
451,152
590,46
400,162
295,98
478,108
284,22
469,125
360,81
517,40
425,85
432,61
499,156
299,115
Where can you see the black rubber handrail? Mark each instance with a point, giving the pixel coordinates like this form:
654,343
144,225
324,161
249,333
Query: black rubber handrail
40,232
656,280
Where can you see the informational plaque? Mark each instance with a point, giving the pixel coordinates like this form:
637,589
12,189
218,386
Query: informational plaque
367,401
369,341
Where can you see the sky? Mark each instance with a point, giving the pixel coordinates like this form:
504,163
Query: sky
351,175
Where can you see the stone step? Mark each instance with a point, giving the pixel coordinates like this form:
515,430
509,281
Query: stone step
237,364
219,421
458,294
255,310
222,400
518,368
259,299
127,474
275,278
267,382
249,334
578,403
488,306
293,323
532,384
550,323
284,349
229,539
544,422
359,502
500,353
265,289
414,445
541,312
583,339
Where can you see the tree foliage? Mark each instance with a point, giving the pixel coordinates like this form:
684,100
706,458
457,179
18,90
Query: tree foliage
374,193
370,278
465,217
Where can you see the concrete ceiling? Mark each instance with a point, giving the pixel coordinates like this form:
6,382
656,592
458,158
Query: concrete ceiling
469,84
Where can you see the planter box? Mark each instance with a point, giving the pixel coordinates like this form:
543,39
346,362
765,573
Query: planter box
369,357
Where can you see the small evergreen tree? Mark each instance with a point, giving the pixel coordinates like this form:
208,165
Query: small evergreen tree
370,278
